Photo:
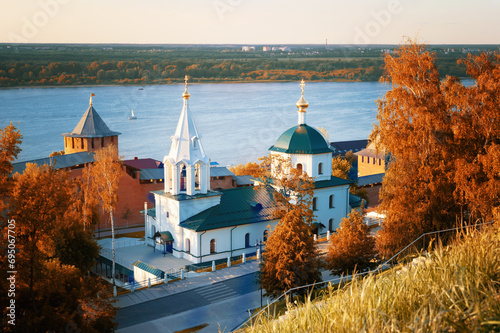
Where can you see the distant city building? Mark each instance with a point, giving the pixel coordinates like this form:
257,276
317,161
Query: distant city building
266,48
248,48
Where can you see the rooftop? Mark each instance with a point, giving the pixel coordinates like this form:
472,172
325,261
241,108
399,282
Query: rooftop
91,126
301,139
58,162
242,205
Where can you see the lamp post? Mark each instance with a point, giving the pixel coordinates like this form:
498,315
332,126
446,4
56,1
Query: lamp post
258,246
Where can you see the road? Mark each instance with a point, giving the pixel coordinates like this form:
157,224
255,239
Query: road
200,300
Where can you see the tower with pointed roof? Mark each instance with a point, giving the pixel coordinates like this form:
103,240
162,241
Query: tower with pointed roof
186,165
90,134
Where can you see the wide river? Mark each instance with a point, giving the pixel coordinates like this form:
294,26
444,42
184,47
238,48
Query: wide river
237,122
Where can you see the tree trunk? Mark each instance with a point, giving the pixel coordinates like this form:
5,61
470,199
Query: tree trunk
113,250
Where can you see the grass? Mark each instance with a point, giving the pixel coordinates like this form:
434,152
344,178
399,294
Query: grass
457,289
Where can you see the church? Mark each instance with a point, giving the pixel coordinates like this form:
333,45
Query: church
193,222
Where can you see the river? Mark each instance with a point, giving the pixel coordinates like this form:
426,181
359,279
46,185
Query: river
237,122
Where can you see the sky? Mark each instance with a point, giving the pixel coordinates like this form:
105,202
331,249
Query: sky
273,22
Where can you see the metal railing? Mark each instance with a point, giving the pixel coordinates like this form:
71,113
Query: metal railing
108,254
404,253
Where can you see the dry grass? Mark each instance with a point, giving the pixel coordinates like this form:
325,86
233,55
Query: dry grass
455,290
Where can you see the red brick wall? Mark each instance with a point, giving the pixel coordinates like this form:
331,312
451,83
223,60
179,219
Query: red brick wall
131,197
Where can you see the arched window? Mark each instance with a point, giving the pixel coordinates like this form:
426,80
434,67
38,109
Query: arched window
247,239
299,167
102,141
320,169
183,178
212,246
331,201
315,203
265,235
197,178
188,245
330,225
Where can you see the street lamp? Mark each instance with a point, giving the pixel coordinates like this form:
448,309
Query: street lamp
258,246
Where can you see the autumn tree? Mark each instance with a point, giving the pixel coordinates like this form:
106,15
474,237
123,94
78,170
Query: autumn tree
106,174
251,168
290,257
443,139
10,141
352,248
416,130
475,120
51,282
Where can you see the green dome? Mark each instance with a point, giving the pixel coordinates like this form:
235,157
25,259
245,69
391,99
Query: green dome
301,139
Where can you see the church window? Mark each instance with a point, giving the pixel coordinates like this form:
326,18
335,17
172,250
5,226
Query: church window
299,167
315,203
320,169
212,246
247,239
188,245
92,140
197,178
102,142
265,235
183,178
332,201
330,225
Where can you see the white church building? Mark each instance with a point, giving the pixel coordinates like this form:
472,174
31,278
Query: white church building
201,225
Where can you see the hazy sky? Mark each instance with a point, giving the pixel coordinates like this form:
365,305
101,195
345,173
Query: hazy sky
250,21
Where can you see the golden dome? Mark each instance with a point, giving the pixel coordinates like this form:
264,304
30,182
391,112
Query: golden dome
302,103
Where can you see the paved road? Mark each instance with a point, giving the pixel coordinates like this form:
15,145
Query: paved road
175,304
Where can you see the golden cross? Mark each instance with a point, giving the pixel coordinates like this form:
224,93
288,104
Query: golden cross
302,85
186,78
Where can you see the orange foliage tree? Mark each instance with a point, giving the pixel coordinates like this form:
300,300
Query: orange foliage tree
352,248
10,140
443,139
105,178
290,257
54,256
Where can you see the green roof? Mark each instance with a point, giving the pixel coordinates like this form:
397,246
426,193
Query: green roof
301,139
354,201
241,205
150,269
184,196
166,236
333,181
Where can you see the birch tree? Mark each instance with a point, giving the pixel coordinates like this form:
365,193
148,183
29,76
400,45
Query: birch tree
106,174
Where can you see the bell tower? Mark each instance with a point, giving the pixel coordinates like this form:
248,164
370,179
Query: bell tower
187,168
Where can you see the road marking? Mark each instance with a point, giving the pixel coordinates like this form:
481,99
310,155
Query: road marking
216,293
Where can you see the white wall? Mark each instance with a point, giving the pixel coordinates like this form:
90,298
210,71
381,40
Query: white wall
310,164
341,205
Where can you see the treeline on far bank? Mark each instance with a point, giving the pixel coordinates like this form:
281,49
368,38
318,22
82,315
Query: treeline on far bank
15,74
